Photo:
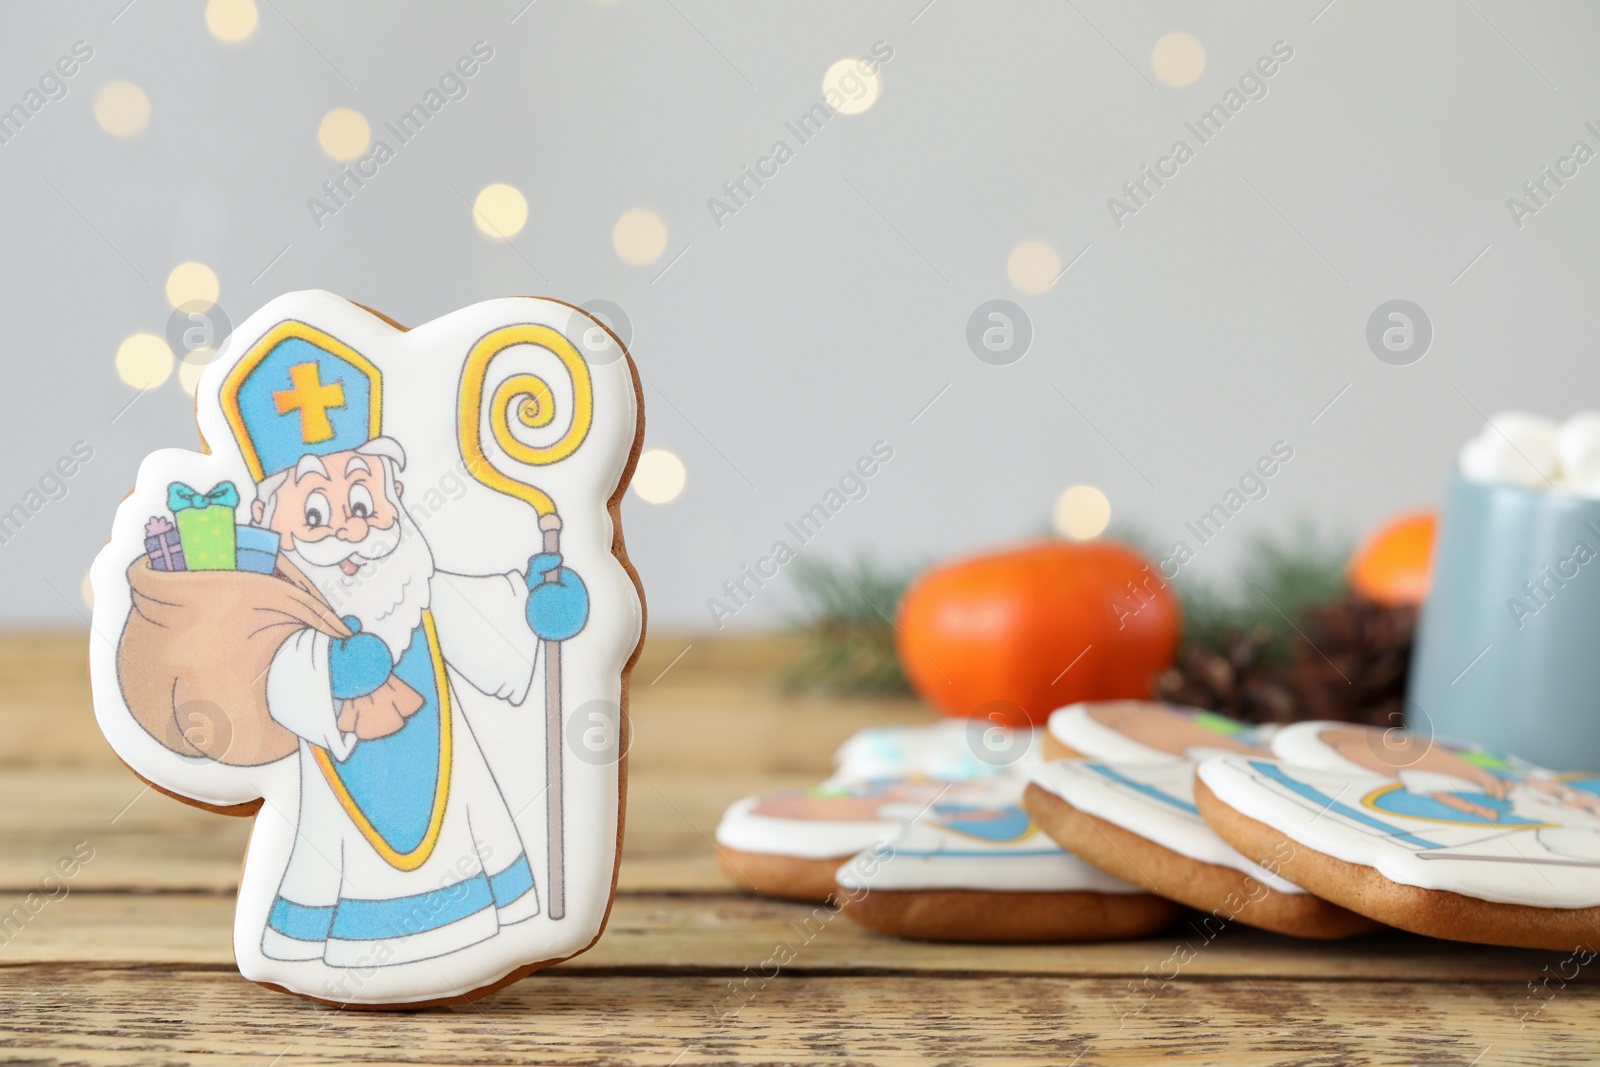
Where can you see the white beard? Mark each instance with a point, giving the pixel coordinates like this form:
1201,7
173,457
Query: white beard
389,593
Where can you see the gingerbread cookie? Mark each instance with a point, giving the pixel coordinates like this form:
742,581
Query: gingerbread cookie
1352,748
1500,856
978,870
388,612
789,844
1131,810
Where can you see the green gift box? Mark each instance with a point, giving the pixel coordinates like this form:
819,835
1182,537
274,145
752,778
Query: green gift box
205,525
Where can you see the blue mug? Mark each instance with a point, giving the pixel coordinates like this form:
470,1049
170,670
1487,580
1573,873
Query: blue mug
1508,645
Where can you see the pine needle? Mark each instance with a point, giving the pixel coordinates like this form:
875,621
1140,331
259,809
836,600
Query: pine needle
848,608
847,623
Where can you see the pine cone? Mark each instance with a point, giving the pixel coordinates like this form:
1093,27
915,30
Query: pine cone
1349,664
1353,663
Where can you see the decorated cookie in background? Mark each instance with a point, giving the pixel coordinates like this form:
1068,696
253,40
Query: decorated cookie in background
1143,731
952,750
396,611
982,872
1499,860
1440,778
789,844
1357,749
1128,805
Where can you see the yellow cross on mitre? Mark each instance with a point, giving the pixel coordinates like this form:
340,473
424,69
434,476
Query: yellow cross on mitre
312,399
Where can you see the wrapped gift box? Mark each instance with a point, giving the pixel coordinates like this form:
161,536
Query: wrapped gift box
256,549
206,525
164,546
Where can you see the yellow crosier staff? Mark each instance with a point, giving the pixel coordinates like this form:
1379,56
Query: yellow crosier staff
530,400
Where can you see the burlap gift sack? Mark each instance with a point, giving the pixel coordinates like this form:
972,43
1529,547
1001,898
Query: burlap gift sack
194,655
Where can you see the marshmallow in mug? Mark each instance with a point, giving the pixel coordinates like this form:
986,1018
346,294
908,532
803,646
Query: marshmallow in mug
1519,448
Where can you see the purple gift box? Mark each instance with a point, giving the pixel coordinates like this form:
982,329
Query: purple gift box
163,545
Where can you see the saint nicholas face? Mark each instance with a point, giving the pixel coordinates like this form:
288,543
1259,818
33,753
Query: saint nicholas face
329,506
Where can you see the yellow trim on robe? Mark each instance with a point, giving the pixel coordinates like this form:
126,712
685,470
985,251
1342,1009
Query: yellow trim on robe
1026,835
405,861
1370,802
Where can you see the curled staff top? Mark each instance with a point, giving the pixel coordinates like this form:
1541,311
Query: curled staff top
531,401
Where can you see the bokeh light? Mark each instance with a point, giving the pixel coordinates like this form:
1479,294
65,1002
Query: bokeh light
144,361
850,86
231,21
344,134
659,478
191,367
121,108
1082,512
192,281
500,211
1178,59
639,237
1033,267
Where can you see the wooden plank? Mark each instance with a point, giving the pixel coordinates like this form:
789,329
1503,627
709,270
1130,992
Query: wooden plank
730,933
726,689
122,1018
722,690
144,840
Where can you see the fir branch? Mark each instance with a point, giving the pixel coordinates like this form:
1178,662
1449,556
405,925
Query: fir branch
847,613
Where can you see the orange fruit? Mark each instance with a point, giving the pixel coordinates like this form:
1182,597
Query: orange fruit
1395,564
1011,636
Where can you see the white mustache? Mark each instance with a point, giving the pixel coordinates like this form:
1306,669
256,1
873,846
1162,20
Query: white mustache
331,551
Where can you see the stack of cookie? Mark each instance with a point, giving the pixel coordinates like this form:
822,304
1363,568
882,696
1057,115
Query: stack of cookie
920,833
1430,836
1317,830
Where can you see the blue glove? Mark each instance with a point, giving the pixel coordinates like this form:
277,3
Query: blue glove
557,609
358,664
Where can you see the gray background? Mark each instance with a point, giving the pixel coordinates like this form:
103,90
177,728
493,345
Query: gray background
826,314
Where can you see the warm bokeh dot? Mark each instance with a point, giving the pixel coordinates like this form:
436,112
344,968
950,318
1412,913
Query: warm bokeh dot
191,366
849,86
86,590
659,477
639,237
1033,267
1082,512
231,21
344,134
192,281
121,109
144,361
1178,59
500,211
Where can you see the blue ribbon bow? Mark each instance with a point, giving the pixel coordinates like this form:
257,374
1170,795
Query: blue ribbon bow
180,496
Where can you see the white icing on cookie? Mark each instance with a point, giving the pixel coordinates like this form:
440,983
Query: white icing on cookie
951,750
1154,801
884,778
977,847
841,818
1352,748
1204,734
1531,840
806,833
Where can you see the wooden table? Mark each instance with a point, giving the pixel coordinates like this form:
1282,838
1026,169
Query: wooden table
132,963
